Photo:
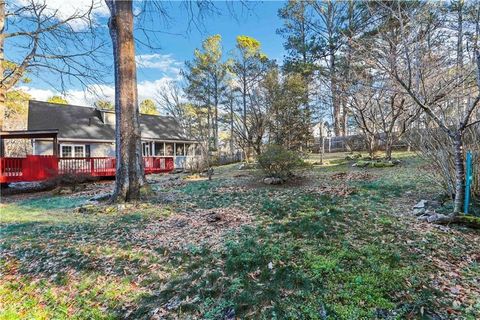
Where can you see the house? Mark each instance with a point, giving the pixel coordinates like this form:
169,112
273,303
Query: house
321,130
90,132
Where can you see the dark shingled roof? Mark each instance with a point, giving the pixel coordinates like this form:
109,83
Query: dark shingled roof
77,122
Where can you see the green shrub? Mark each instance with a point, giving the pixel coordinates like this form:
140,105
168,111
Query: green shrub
278,162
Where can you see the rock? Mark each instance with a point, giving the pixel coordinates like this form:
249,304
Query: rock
436,216
419,211
421,204
268,180
273,180
423,218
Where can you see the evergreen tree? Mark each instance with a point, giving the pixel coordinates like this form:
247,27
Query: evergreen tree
248,67
206,82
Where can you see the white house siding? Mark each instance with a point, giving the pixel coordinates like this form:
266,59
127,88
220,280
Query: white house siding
106,149
96,149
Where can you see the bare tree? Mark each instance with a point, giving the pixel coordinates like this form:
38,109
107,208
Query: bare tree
130,176
362,105
445,88
36,31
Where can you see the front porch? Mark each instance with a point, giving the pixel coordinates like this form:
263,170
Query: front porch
43,167
37,168
181,152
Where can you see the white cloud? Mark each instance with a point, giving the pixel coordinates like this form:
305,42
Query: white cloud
146,90
164,63
64,9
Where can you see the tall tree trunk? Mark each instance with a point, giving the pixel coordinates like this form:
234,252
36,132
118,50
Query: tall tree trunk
459,173
344,117
336,107
231,127
209,126
130,176
388,146
216,126
3,90
245,128
215,98
337,119
370,144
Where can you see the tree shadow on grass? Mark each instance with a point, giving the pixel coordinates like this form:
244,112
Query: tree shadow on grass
319,263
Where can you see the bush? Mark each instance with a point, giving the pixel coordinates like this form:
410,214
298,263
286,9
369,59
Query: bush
279,162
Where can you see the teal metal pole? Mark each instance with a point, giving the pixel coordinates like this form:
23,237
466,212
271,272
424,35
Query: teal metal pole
468,181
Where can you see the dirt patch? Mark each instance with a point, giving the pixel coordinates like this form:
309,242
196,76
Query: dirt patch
352,176
197,228
341,190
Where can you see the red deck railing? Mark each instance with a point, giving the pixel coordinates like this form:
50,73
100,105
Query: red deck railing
37,168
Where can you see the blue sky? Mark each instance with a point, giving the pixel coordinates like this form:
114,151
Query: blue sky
177,44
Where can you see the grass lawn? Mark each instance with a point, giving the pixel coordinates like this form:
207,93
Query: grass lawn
338,243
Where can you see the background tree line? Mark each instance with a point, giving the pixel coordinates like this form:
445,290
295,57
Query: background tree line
383,68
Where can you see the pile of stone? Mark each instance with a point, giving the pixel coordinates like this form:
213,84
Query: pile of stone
426,211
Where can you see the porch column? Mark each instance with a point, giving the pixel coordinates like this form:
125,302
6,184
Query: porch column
164,149
55,146
153,148
175,155
2,148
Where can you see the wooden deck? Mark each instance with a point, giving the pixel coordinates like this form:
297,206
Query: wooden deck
38,168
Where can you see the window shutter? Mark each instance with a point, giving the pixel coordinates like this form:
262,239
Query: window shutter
87,150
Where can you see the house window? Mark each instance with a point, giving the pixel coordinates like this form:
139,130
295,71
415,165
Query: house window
79,151
70,150
169,149
159,149
179,149
66,151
